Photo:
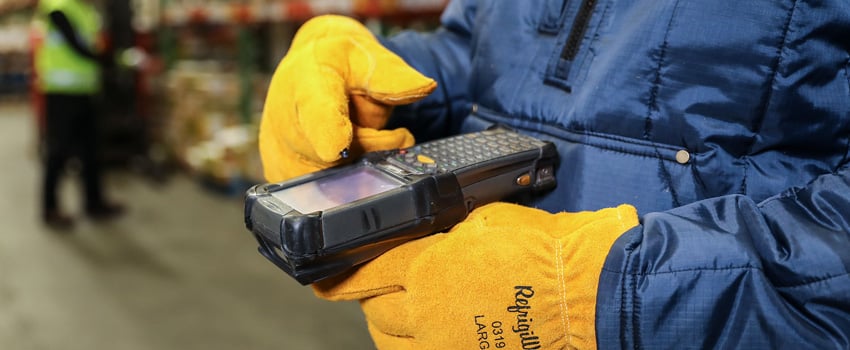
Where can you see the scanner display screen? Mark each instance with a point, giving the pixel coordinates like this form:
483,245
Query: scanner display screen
337,189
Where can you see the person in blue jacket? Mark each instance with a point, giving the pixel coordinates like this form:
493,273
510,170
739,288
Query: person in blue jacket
725,124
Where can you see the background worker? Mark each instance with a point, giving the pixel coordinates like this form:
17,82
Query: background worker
67,67
724,126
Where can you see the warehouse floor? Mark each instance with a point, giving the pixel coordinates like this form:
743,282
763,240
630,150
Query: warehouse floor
178,271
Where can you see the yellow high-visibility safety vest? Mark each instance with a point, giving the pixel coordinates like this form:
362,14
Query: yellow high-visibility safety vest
59,68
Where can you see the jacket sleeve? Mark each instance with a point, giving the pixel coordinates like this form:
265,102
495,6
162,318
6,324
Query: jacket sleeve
443,55
730,273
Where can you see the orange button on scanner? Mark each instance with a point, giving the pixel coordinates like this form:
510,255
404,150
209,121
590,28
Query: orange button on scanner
424,159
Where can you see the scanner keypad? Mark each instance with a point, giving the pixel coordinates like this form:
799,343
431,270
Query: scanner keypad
456,152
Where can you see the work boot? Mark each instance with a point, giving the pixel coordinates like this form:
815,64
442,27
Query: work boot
58,221
105,211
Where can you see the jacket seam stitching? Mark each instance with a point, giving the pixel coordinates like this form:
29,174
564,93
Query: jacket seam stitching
623,317
847,144
768,94
652,107
490,117
603,16
635,313
794,191
745,267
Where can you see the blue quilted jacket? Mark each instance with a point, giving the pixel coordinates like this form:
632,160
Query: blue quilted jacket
726,123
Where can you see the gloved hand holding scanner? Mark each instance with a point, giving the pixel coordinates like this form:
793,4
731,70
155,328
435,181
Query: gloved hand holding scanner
737,161
323,223
331,96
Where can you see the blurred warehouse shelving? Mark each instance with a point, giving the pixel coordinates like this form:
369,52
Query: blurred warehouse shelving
15,64
247,11
219,57
195,104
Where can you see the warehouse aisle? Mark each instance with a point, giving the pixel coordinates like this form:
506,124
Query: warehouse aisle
179,271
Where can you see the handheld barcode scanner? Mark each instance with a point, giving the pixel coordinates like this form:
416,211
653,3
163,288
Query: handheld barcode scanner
324,223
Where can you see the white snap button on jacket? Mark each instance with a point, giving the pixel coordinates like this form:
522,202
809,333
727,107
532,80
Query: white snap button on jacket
683,156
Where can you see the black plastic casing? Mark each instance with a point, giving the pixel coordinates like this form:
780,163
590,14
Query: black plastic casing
312,246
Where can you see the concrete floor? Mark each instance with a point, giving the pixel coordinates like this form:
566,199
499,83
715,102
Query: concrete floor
179,271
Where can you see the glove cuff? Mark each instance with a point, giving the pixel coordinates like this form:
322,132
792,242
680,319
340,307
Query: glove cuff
580,258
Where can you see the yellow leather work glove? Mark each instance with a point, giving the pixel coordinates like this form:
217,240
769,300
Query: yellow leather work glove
507,277
335,73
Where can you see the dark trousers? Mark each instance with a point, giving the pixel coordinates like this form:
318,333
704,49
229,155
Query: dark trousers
70,131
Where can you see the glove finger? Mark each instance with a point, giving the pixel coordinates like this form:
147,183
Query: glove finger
321,114
309,116
369,140
370,68
502,214
383,275
369,113
384,76
270,152
279,161
327,25
390,313
323,120
385,341
621,217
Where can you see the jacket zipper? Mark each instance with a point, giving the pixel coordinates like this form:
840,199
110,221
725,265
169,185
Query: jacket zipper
579,28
